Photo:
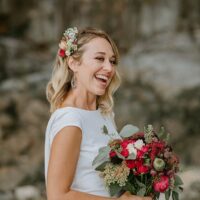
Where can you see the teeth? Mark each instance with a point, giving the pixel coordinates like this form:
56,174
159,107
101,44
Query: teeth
102,77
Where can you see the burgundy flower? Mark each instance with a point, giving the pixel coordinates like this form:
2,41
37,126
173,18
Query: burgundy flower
140,154
145,148
162,184
153,172
124,143
139,135
112,154
171,173
125,152
142,169
130,164
62,53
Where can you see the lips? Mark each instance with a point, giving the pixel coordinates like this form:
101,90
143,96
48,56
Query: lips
103,79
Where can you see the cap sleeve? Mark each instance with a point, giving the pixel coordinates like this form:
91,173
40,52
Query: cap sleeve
61,120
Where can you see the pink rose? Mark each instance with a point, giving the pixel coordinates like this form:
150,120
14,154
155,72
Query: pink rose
162,184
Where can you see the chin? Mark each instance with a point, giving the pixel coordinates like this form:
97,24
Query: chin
100,92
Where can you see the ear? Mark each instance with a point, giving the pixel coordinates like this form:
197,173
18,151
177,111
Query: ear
72,63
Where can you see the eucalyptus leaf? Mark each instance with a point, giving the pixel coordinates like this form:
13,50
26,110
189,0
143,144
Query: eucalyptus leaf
178,181
167,194
114,189
157,195
129,187
101,166
140,183
177,189
128,130
103,156
119,155
105,130
175,195
141,192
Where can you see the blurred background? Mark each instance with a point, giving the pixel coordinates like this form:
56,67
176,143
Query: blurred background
159,43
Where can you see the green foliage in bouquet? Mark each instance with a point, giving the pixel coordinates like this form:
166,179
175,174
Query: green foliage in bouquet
141,163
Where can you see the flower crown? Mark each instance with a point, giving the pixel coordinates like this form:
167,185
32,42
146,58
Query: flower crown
68,44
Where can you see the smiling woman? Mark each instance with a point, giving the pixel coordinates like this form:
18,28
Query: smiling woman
80,93
92,51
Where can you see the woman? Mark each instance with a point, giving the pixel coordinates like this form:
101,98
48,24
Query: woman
80,95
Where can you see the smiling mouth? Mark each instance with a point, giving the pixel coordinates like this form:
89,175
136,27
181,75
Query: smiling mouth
102,79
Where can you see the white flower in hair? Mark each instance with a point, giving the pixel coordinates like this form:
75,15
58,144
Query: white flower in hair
70,45
71,33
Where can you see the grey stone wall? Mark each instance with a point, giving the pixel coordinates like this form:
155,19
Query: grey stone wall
159,42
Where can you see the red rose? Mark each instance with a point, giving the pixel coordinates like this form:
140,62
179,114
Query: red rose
125,152
130,164
138,163
160,145
162,184
140,154
142,169
124,143
62,53
112,154
145,149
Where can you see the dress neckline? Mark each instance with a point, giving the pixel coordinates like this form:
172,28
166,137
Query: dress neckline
76,108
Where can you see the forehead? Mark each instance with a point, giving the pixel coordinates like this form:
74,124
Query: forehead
99,45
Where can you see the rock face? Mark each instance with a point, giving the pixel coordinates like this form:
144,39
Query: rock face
160,66
27,192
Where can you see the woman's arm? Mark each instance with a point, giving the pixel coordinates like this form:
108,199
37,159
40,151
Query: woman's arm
63,159
62,165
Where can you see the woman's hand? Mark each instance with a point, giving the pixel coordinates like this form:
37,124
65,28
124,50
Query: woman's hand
129,196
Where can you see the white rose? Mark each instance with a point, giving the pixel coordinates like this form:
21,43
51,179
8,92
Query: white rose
131,149
139,144
67,52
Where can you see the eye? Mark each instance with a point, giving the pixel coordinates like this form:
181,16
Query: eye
113,62
100,58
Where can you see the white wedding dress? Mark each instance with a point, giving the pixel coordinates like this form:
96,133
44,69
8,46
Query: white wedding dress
86,179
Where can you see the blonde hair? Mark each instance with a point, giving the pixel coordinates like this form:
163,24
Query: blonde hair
59,84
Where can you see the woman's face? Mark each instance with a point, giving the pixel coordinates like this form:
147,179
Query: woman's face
97,66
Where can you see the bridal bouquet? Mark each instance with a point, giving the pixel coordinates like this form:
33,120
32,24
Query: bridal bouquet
140,162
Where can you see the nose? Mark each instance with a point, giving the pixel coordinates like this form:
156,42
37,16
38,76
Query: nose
108,66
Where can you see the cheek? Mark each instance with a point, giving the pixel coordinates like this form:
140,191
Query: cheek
113,72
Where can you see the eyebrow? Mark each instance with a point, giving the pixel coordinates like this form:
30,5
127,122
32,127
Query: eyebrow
100,52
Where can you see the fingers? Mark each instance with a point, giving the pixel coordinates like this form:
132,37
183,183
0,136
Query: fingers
127,195
147,198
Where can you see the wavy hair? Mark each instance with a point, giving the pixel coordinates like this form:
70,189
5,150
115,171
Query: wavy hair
59,84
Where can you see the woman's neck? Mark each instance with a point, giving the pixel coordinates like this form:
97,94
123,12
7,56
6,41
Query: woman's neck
79,99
